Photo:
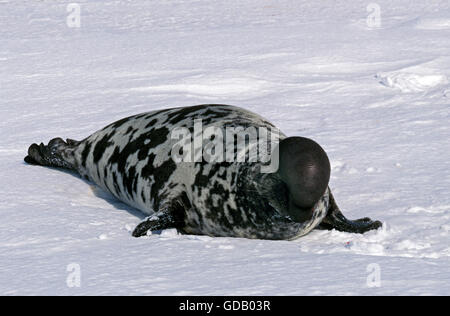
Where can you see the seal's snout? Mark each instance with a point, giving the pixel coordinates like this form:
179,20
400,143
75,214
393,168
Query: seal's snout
305,168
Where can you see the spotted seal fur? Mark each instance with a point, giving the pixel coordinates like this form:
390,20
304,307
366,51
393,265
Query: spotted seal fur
132,159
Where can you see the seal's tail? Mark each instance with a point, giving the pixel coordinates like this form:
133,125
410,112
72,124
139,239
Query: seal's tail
57,153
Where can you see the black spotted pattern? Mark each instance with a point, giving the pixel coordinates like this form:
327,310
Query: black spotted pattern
131,159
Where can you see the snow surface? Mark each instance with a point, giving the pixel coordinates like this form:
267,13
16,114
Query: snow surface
376,97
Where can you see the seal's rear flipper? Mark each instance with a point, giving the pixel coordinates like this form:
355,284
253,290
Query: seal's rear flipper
56,154
336,220
72,142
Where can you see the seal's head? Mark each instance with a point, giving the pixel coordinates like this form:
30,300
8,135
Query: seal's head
305,169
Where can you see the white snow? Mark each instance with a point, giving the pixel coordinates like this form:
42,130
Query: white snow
376,97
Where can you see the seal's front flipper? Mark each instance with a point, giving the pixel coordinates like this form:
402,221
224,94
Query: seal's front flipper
336,220
158,221
168,217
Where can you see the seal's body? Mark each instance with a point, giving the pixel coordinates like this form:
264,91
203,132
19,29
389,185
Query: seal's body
133,159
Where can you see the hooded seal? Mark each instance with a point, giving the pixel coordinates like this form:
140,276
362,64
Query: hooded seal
230,194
